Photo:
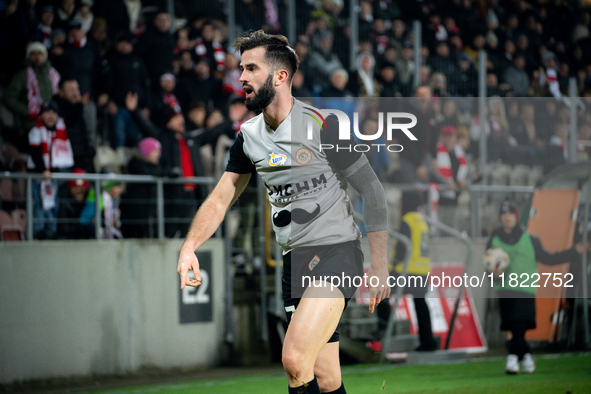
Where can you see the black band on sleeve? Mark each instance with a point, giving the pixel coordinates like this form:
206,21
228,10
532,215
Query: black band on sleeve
239,163
341,158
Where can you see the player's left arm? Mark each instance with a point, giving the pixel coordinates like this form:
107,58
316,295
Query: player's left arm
358,172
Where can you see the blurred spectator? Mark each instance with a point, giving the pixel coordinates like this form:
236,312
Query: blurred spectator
127,74
58,40
492,86
298,85
389,81
98,35
363,83
71,107
499,138
516,76
166,97
44,28
65,14
405,66
155,47
29,88
584,142
50,150
398,33
557,150
82,61
338,85
207,47
231,83
478,43
134,12
378,36
183,43
466,82
324,61
438,84
72,201
115,13
199,85
110,199
177,153
138,204
85,15
551,76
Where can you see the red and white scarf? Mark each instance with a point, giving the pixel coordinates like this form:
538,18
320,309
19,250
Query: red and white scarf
171,101
34,93
272,14
231,83
56,148
78,43
444,165
45,35
218,52
553,84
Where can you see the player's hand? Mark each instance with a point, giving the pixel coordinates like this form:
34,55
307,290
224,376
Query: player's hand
581,247
382,290
188,261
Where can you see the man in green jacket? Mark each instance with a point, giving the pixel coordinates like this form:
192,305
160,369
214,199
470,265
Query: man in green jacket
517,302
29,88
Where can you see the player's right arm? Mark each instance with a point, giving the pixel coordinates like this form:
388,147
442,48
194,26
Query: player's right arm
212,212
208,218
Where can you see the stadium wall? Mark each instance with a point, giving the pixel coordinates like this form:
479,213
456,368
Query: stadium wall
77,308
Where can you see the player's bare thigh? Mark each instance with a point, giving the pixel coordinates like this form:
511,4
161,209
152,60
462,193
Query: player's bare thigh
311,326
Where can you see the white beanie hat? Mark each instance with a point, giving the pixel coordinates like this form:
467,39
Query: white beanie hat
36,46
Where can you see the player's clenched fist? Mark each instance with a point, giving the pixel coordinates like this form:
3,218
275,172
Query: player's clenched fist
188,261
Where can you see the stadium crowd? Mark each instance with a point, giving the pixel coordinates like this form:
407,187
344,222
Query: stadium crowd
117,86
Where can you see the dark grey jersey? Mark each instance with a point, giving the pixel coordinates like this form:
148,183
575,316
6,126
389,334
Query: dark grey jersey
307,192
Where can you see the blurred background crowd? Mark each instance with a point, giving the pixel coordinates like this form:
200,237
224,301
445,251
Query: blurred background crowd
125,86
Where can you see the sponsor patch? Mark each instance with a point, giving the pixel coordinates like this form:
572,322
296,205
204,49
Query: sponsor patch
314,262
303,156
277,160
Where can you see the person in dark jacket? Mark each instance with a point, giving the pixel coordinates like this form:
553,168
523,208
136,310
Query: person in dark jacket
139,201
199,85
517,304
127,74
179,152
72,201
71,107
116,15
155,47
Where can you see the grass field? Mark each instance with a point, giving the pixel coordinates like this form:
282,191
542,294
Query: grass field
554,374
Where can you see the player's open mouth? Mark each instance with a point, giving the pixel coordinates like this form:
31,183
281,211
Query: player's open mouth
248,90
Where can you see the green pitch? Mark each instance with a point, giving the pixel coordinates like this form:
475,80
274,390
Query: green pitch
554,374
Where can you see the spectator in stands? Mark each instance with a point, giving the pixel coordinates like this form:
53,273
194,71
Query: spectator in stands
44,28
50,150
115,13
526,132
388,80
338,85
478,43
58,40
466,82
298,85
324,61
127,74
492,86
85,15
452,168
98,35
177,152
516,76
65,14
378,36
138,204
82,61
209,48
499,138
438,84
29,88
110,199
71,107
405,67
557,149
72,202
231,83
398,36
199,85
549,60
363,82
166,96
156,46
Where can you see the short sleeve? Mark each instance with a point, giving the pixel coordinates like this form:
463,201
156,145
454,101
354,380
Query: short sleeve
239,163
341,158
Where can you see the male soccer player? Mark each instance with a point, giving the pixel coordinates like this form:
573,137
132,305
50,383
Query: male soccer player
312,216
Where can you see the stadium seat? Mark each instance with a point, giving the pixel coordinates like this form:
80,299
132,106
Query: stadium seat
19,219
8,231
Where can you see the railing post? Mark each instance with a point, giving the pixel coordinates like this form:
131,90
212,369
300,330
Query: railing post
417,46
291,22
482,93
354,39
572,139
97,209
160,207
29,202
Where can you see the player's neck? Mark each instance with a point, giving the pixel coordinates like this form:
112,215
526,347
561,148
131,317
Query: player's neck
278,110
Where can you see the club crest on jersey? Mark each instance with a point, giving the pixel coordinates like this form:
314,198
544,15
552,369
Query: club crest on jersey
277,160
314,262
303,156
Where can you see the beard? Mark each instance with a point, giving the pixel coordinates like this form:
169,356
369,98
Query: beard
263,97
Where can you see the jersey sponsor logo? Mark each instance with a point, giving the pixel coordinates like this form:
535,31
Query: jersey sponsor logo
314,262
303,156
277,160
277,191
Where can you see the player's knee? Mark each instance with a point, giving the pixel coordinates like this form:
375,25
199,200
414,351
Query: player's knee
293,363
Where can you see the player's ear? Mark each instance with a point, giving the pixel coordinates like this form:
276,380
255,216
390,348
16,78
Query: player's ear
281,77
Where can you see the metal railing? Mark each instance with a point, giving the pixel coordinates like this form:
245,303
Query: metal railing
96,180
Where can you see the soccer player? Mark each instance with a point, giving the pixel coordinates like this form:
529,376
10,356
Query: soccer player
319,236
517,304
